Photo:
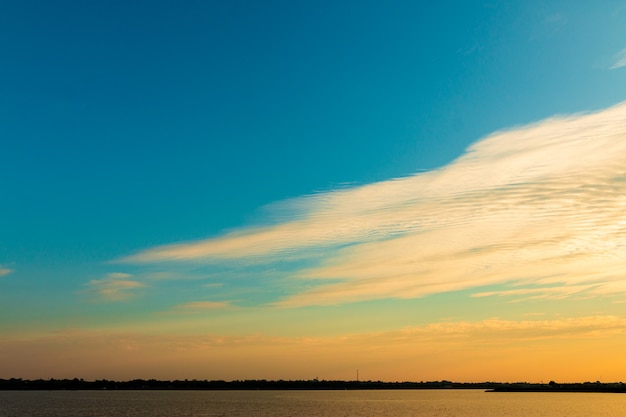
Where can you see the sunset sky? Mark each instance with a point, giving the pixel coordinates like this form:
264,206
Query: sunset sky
300,189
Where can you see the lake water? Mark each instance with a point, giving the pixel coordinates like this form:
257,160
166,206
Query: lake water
366,403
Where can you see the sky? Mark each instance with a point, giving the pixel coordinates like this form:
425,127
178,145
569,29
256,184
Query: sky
297,190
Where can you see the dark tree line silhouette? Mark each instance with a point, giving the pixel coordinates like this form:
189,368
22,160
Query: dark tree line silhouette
313,384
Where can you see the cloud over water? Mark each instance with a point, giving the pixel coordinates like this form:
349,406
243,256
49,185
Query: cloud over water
539,208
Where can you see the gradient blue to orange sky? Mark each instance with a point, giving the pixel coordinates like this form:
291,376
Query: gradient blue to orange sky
292,190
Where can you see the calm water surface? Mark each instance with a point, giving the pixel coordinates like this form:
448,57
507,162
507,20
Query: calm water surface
401,403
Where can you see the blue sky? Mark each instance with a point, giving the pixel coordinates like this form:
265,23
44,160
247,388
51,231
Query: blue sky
229,167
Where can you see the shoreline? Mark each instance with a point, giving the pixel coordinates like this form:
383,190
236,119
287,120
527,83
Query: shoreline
18,384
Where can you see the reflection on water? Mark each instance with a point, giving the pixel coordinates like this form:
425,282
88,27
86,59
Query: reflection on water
367,403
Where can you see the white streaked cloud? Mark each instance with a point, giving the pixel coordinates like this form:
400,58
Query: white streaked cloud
203,305
118,275
4,271
541,293
116,286
513,331
539,206
603,289
619,60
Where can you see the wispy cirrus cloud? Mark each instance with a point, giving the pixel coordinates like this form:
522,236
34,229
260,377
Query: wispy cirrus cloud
202,306
619,60
513,331
551,292
116,286
538,205
4,271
